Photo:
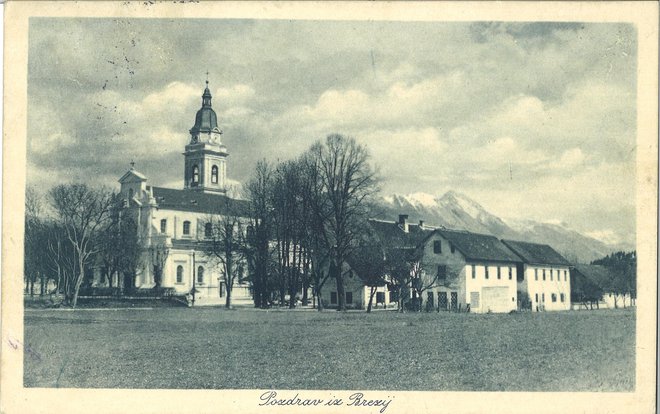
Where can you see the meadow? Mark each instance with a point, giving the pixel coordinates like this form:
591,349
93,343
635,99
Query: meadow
214,348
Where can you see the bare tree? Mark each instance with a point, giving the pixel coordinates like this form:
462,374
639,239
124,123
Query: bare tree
227,246
81,212
259,232
347,181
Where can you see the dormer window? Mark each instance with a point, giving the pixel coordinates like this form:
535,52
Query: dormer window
195,175
214,174
186,228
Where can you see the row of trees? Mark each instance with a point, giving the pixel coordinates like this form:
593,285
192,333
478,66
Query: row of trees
73,228
312,212
623,267
309,218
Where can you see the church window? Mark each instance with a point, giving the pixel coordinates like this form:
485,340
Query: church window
214,174
186,228
200,274
208,230
179,274
437,247
163,226
130,193
195,175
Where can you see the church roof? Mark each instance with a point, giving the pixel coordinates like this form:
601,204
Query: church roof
206,120
132,175
198,202
533,253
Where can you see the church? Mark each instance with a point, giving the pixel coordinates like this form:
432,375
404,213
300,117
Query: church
175,225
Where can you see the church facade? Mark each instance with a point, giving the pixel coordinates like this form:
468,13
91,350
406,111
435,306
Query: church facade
176,226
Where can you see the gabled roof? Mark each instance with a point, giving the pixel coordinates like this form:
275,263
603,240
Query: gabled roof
391,234
132,175
534,253
476,246
199,202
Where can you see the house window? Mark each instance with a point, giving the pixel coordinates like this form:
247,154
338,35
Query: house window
163,226
179,274
442,272
195,175
333,298
551,275
380,297
208,230
474,271
565,276
349,298
186,228
536,297
486,268
437,246
542,297
200,274
452,248
561,297
536,274
554,297
499,275
214,174
510,273
544,275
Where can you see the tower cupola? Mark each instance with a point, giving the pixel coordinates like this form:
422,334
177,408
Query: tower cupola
205,155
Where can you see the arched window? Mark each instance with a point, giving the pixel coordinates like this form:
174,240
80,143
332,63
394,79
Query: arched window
186,228
214,174
179,274
208,230
200,274
195,175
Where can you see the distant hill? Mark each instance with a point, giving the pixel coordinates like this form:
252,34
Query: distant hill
457,211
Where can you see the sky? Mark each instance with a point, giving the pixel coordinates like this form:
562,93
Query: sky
532,120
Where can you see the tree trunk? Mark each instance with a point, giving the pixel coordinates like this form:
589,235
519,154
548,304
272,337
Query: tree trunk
42,287
341,294
228,298
31,287
319,302
371,298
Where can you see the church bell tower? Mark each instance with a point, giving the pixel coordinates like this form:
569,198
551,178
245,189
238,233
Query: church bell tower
205,155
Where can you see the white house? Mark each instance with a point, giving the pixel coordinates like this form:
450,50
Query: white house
544,276
460,270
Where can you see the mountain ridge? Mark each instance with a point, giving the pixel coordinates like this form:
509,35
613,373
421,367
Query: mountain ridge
457,211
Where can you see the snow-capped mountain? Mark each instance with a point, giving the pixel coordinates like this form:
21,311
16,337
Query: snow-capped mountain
457,211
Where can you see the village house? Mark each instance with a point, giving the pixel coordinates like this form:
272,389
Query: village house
458,270
543,276
175,226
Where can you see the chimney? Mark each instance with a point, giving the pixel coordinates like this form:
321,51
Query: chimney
403,222
421,224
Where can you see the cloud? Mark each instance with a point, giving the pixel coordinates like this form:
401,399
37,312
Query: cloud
534,120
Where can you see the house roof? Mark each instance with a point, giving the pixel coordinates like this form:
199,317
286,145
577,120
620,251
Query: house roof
392,234
476,246
534,253
199,202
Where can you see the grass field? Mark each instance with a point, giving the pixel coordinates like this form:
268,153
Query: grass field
217,348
